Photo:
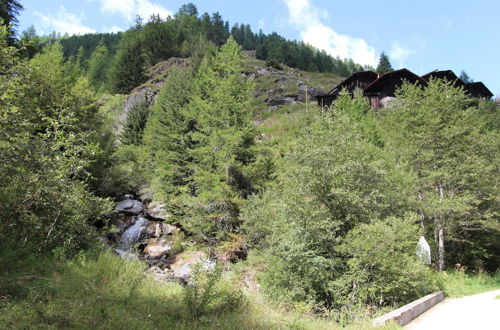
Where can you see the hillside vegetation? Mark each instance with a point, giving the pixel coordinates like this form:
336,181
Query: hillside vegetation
308,218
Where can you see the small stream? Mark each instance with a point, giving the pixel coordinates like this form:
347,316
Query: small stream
141,231
130,238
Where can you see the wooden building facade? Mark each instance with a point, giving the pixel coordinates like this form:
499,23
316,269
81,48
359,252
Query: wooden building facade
387,84
358,80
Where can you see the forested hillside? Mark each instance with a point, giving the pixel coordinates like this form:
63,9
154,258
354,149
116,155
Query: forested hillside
153,39
170,177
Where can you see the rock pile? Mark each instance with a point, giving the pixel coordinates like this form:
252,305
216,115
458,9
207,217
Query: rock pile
139,231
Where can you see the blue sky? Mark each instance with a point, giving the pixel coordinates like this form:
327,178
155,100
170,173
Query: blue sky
420,35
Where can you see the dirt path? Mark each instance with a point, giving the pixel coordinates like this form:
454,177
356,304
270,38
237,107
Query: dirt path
481,312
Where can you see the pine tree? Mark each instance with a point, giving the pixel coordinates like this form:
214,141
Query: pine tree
127,68
158,40
133,130
9,10
384,65
201,138
465,77
166,136
223,140
98,66
30,42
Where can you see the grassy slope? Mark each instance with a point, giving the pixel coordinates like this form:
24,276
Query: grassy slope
100,290
266,82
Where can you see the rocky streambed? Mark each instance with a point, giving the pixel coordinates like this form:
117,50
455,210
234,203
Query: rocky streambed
140,230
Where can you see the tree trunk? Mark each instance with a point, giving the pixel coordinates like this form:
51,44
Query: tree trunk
440,242
440,232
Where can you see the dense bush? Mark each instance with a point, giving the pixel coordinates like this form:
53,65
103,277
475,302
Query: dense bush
336,178
50,136
452,146
208,293
382,268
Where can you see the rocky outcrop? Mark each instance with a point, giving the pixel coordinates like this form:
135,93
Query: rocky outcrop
280,101
183,265
157,210
305,92
130,206
147,92
158,247
388,102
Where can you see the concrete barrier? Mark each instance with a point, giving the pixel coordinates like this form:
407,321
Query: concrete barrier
409,312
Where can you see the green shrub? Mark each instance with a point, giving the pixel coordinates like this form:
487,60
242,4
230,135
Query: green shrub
335,178
382,267
274,64
207,293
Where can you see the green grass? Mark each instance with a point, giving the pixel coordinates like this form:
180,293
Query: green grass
458,284
99,290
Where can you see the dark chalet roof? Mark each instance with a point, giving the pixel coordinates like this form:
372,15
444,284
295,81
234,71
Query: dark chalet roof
359,79
478,89
387,83
447,75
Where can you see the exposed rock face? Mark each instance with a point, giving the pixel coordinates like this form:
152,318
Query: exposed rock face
141,95
280,100
274,91
263,71
153,229
147,92
157,210
182,267
130,206
157,247
250,53
305,92
168,229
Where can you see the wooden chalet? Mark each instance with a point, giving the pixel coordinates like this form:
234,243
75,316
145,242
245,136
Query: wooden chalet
377,87
447,75
387,84
479,90
358,80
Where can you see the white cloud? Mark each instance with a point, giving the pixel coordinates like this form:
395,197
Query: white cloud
112,29
261,22
130,8
399,53
62,21
305,17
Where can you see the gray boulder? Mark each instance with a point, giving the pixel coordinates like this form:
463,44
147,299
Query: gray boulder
157,210
182,268
130,206
280,101
157,247
306,92
144,94
388,102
